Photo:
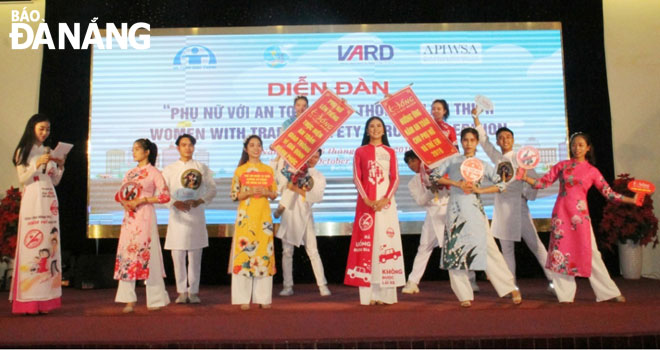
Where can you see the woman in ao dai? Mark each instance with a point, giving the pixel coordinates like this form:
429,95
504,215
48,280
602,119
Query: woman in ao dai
139,255
572,251
37,279
375,260
469,244
252,260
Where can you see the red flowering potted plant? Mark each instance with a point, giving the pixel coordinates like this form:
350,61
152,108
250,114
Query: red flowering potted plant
630,226
10,205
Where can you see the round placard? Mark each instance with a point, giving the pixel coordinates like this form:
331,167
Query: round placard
472,169
641,186
484,102
129,191
505,171
528,157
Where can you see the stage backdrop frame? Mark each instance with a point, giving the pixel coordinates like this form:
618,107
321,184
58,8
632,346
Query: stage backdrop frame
343,226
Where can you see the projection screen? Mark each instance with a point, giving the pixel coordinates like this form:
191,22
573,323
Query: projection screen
224,84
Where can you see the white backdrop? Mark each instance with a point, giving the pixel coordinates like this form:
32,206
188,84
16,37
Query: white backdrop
632,34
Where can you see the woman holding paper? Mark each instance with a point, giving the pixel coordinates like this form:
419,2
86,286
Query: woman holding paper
375,260
139,255
36,289
252,261
572,250
469,245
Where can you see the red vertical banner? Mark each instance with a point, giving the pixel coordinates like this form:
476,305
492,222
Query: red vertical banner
418,127
311,129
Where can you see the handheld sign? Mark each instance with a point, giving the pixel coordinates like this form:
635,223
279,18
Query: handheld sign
641,188
505,171
129,191
257,179
484,103
297,143
417,127
528,158
472,170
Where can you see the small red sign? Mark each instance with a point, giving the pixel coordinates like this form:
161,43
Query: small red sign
257,179
641,188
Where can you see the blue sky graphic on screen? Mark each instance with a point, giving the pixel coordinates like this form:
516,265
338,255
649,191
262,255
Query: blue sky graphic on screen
222,88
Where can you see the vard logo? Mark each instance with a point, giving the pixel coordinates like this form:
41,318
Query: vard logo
365,53
451,53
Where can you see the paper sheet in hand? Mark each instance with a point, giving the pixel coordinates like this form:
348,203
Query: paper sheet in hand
61,150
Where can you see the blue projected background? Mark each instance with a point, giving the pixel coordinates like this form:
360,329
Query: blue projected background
224,87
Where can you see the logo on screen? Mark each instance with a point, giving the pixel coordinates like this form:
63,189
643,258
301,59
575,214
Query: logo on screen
443,53
364,53
194,57
275,57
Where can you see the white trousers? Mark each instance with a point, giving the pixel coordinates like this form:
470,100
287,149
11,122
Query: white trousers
375,292
600,280
155,285
531,238
424,252
257,289
498,274
426,246
187,279
312,252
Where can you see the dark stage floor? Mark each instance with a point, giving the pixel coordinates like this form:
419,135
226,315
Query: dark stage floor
431,319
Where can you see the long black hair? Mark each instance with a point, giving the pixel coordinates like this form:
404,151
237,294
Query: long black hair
147,145
366,138
22,151
245,156
444,104
589,156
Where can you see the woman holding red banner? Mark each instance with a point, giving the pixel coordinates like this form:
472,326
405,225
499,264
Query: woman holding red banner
469,245
572,250
252,261
440,113
300,104
375,258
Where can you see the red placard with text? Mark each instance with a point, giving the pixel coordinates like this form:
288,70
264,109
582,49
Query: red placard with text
257,179
418,127
641,188
311,129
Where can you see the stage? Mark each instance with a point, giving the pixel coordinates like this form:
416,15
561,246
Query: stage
431,319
